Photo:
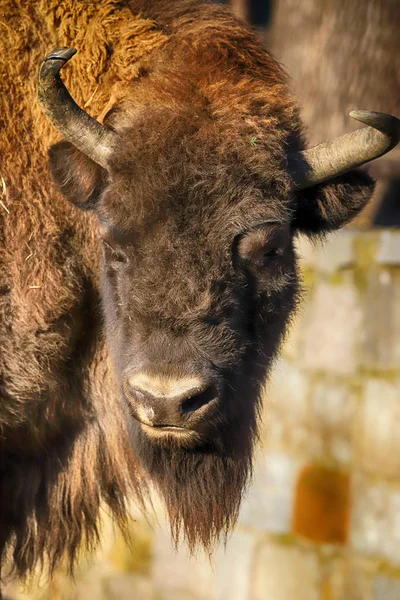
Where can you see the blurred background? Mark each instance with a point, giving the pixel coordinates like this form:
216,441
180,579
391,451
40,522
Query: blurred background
322,518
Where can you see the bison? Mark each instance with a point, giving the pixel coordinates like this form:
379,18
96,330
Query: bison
147,265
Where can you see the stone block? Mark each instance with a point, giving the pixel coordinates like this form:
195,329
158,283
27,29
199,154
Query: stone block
283,572
60,589
375,521
136,558
128,587
177,572
346,576
356,580
333,408
322,505
333,579
336,253
89,583
385,588
287,392
269,503
306,251
285,405
377,439
388,248
331,331
233,567
287,414
291,344
381,328
88,588
176,595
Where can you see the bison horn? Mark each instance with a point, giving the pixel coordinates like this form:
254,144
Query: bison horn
84,132
330,159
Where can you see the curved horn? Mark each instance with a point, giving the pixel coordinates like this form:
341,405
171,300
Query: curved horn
330,159
84,132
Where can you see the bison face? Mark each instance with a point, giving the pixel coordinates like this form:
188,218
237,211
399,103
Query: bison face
193,326
199,280
197,211
198,275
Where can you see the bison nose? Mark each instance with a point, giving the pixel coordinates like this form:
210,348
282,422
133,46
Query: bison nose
167,401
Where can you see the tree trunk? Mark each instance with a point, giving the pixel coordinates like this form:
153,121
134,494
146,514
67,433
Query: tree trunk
241,8
341,55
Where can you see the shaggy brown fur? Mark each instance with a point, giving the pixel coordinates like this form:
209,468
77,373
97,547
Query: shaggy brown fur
205,121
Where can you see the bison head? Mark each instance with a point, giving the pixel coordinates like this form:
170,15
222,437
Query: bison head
197,209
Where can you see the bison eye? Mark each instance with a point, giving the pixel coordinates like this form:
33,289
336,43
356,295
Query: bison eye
264,245
271,253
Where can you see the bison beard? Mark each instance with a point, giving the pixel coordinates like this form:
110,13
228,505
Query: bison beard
202,487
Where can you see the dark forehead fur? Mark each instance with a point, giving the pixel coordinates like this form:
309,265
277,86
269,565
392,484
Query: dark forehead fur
187,163
211,115
204,134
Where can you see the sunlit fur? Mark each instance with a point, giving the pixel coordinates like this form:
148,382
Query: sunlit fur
205,121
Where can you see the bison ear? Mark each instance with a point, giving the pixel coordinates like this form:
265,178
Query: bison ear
332,204
77,176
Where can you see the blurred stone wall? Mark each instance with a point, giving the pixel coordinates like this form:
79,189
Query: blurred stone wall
322,518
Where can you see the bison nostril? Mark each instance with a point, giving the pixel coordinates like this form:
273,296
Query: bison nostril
161,401
198,400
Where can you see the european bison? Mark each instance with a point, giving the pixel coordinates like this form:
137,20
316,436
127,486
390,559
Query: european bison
141,307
